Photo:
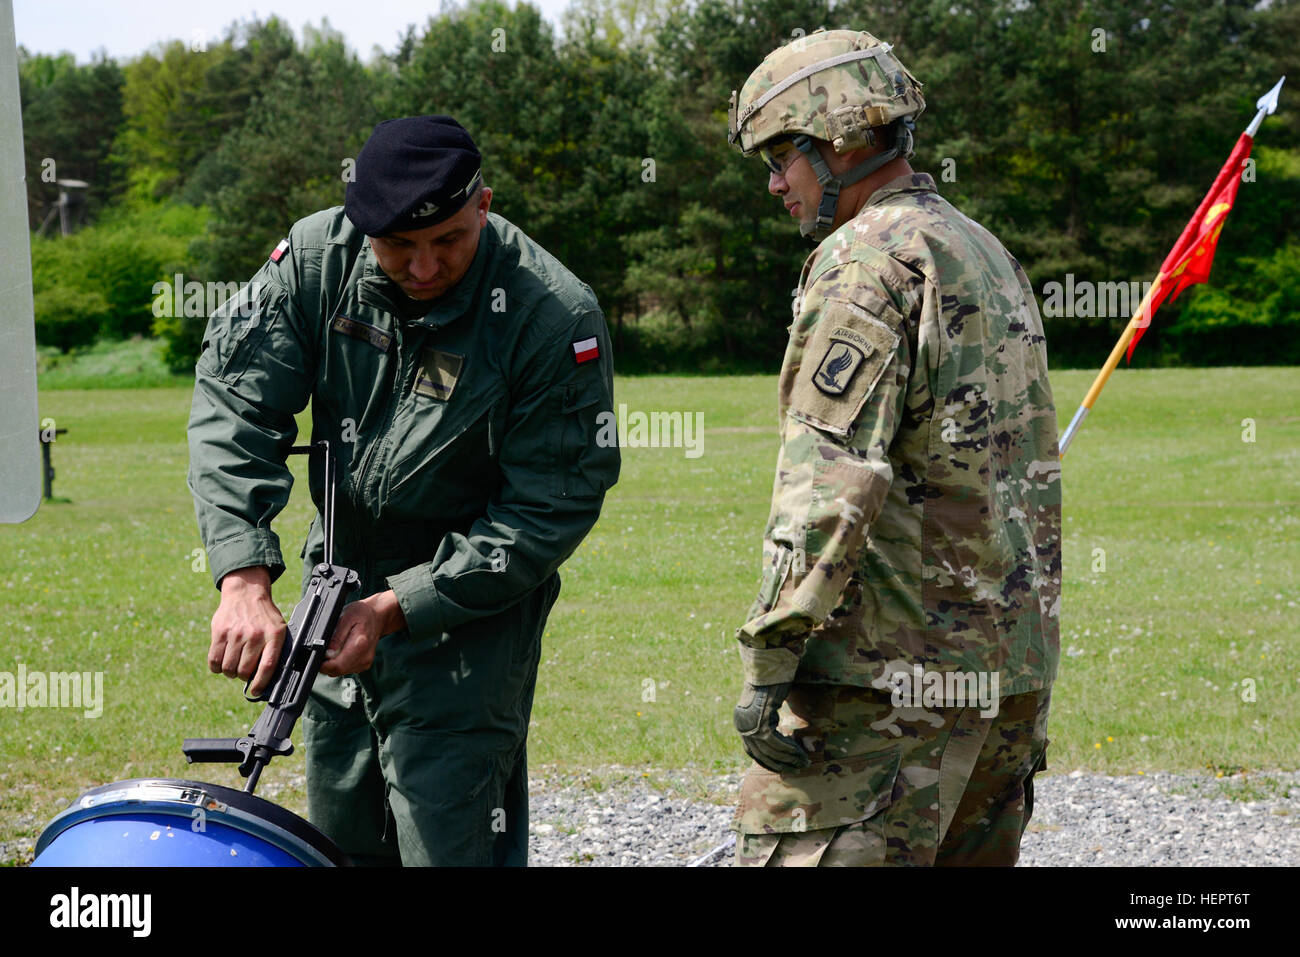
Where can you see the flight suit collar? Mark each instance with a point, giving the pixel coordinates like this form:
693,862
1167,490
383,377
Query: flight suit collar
378,290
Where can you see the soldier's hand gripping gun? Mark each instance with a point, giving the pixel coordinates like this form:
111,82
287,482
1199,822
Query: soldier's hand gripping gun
310,629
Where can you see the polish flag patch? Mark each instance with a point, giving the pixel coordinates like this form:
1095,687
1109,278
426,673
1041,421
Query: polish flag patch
278,253
585,350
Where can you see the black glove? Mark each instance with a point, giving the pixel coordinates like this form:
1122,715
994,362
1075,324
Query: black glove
756,719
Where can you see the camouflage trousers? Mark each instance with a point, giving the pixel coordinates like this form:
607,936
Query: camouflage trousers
895,786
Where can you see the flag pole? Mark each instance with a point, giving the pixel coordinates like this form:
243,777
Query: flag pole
1111,362
1265,105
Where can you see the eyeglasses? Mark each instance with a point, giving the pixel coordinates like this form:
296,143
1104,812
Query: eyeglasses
780,157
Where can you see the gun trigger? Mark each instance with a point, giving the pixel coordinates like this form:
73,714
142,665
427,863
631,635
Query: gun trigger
261,697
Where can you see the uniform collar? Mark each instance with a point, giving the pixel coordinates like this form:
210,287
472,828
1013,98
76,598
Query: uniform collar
907,183
381,291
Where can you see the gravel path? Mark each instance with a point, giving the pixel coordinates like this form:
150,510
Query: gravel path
618,816
626,820
1079,819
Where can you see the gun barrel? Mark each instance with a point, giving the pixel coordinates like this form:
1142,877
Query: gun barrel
253,776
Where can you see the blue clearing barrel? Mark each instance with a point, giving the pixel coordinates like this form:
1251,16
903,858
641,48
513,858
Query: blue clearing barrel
165,822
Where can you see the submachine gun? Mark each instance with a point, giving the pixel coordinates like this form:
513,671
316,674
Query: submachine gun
310,629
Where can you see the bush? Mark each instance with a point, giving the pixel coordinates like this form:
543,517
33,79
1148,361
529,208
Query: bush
181,340
67,317
117,260
1256,323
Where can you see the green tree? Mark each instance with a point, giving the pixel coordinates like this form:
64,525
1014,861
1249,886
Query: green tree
749,253
288,159
71,115
158,91
181,102
561,127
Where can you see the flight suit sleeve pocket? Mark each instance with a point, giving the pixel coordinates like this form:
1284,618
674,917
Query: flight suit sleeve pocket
847,353
827,794
237,329
583,442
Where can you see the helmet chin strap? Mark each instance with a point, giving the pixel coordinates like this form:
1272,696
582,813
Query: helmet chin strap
832,184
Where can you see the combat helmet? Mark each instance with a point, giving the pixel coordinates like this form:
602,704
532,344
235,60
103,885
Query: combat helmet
837,86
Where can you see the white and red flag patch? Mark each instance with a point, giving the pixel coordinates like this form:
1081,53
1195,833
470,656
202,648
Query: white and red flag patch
278,253
585,350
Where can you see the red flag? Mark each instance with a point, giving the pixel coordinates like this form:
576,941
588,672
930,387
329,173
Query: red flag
1189,261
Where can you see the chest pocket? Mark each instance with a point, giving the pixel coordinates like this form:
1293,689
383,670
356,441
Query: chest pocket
446,449
354,380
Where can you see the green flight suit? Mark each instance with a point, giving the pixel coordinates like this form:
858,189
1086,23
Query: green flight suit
465,431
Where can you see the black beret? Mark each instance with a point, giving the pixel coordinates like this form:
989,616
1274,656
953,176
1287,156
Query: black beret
412,173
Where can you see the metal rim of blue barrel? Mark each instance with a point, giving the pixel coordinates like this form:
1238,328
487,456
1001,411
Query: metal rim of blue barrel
169,822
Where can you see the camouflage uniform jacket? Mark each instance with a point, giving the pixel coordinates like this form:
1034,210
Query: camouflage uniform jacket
464,426
916,514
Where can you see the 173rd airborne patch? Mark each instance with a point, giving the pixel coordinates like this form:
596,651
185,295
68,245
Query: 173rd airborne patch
846,354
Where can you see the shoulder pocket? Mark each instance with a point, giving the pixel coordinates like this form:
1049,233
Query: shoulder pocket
237,329
586,454
844,359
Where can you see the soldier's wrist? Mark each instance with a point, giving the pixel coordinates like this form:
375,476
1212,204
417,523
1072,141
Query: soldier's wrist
389,610
255,578
768,666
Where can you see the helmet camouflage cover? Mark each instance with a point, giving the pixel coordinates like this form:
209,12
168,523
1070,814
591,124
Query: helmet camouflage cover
832,86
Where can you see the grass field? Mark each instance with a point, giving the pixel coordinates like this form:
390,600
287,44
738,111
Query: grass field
1179,622
126,364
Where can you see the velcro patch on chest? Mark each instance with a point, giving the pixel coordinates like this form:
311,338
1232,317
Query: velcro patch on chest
363,331
845,356
438,374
